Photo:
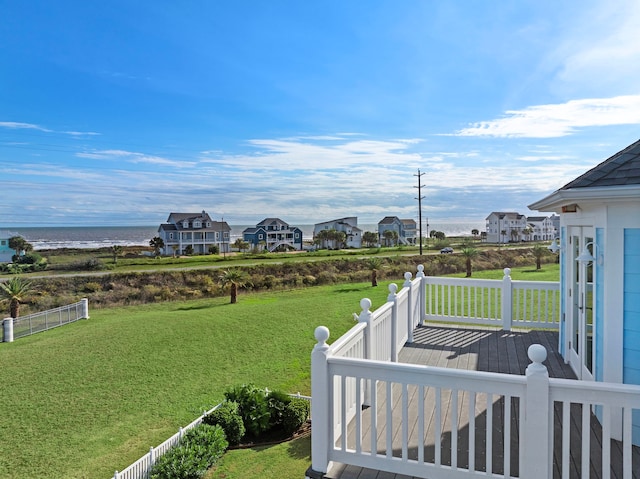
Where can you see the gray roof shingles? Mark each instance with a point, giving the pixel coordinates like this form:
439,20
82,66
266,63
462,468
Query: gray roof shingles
623,168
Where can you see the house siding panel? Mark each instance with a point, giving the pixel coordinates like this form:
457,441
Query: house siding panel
631,309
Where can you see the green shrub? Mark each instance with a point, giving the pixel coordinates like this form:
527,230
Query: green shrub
197,451
277,401
295,414
227,416
253,406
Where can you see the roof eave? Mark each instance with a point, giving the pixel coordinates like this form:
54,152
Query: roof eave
559,198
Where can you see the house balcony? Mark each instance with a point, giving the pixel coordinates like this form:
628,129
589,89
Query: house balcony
457,378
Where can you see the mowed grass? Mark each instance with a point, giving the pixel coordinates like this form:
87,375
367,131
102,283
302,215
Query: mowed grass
84,400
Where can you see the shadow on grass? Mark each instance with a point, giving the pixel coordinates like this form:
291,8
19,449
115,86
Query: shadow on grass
200,306
352,289
300,448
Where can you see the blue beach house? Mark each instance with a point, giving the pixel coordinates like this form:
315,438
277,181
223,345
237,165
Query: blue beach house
6,253
599,247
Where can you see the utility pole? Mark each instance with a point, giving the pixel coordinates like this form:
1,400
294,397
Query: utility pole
419,198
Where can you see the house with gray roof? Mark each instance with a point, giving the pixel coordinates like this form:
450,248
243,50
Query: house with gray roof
274,234
196,230
599,249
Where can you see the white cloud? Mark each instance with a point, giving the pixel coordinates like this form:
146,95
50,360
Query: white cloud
15,125
134,157
556,120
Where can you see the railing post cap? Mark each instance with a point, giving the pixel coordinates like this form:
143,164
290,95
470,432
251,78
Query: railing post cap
420,269
507,271
407,275
537,353
322,334
365,304
393,288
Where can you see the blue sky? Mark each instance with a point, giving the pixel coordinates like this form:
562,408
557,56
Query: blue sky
119,112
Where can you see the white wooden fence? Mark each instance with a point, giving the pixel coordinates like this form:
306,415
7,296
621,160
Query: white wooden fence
358,389
142,467
37,322
502,303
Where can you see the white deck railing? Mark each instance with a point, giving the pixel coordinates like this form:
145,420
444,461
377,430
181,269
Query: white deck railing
501,303
37,322
371,411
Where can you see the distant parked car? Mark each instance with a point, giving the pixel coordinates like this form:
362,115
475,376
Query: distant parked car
446,250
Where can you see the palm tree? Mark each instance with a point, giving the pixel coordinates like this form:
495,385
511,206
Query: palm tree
116,251
234,278
370,238
539,251
14,291
374,264
157,244
469,254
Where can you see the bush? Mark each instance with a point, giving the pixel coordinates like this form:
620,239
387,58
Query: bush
253,406
278,402
227,416
295,414
197,451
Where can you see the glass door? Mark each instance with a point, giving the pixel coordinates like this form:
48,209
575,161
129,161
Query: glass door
581,303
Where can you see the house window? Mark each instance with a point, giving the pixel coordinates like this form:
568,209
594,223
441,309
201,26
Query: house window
197,224
260,236
297,235
170,235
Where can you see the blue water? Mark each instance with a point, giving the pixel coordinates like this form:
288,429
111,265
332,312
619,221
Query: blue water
105,236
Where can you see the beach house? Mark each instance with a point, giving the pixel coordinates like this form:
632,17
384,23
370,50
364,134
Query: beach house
404,231
348,226
274,234
194,231
6,253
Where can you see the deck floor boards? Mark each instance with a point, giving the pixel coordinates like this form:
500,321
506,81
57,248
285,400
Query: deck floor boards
478,349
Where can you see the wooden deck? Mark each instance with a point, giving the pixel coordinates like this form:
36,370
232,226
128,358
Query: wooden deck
482,349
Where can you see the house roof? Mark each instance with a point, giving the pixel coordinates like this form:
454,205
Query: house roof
623,168
503,214
388,220
616,178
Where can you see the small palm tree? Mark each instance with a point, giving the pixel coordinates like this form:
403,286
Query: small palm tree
234,278
157,244
116,251
374,265
539,251
14,291
469,254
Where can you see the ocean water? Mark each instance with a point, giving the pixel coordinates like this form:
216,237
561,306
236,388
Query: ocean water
105,236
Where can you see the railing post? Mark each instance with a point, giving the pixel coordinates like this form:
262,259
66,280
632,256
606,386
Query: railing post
85,308
407,284
393,297
507,300
536,434
152,457
369,341
7,326
320,414
423,293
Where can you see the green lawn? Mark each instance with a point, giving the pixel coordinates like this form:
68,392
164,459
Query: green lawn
86,399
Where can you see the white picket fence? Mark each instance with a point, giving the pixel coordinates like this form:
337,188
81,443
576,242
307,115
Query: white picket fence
37,322
142,467
359,391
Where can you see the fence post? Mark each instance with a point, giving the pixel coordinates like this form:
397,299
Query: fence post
7,336
152,457
365,317
407,284
507,300
85,308
393,297
536,435
423,293
320,414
